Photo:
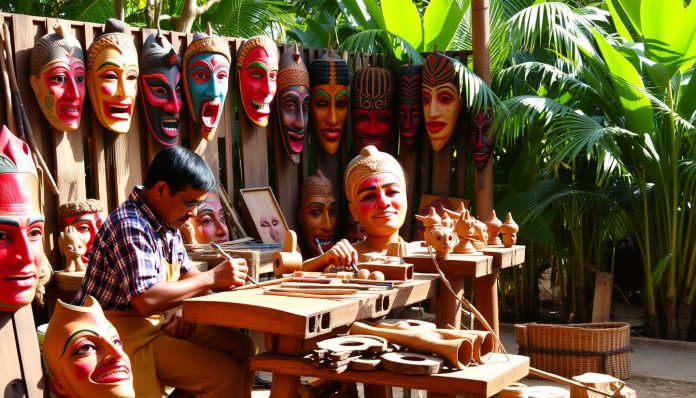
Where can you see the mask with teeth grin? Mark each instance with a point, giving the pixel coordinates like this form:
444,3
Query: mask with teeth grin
58,79
293,102
160,88
112,76
257,72
372,102
206,66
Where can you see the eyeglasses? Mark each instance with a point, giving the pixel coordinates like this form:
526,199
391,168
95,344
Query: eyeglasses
191,204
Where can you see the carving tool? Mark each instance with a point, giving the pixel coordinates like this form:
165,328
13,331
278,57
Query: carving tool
221,252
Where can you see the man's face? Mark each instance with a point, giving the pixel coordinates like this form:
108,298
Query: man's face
113,85
177,208
318,220
87,224
293,108
379,204
21,240
160,90
207,77
60,90
257,84
329,113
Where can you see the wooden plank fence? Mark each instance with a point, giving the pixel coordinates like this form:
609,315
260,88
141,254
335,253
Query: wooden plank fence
96,163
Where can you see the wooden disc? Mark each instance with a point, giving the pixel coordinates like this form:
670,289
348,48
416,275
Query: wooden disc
349,343
411,363
365,364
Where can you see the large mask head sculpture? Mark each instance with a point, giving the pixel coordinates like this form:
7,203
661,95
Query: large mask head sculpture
372,103
410,103
329,81
480,142
209,224
317,213
160,88
206,66
293,102
58,78
257,71
443,83
86,216
84,354
21,224
375,186
112,76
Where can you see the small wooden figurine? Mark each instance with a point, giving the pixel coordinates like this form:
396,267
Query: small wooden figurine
443,240
429,221
493,223
480,235
509,231
465,232
72,247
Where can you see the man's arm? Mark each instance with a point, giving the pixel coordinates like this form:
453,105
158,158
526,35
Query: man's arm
163,296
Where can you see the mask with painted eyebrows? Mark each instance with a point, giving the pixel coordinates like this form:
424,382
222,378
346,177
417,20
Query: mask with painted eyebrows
372,100
410,103
160,88
257,72
112,76
21,224
58,78
206,66
84,353
317,213
329,81
293,102
480,142
442,101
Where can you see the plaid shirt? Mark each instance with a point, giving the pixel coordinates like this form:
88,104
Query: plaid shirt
126,257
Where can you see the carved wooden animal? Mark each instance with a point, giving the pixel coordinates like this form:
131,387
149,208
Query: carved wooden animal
72,247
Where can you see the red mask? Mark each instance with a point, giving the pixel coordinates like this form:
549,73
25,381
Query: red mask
410,103
257,71
373,93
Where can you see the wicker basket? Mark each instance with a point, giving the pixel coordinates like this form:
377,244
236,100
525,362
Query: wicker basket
574,349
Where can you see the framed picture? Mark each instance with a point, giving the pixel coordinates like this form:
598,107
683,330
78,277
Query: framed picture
262,214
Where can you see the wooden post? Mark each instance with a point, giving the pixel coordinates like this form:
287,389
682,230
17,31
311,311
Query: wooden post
601,307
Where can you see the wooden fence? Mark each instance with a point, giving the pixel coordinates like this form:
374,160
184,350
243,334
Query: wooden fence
93,162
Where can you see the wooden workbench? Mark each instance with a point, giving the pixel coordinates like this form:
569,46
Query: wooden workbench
482,267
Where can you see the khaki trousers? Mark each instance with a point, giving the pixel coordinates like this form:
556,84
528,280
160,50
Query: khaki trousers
213,362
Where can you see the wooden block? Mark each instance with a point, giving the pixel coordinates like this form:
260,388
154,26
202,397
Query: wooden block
68,281
601,306
365,364
400,272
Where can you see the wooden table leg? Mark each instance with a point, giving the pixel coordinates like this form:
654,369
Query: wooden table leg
284,386
486,299
377,391
448,310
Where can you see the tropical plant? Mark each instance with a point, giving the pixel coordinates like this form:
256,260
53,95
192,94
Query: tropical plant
629,109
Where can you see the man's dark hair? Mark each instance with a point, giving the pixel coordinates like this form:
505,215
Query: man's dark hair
180,168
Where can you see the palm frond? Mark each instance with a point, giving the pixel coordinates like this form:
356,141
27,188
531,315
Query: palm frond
542,73
97,11
524,111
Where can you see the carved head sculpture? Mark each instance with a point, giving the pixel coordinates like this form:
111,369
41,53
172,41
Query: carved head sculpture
410,103
112,76
72,247
317,213
330,99
375,186
86,216
21,224
206,66
293,102
372,103
480,143
84,354
209,223
58,78
443,85
257,72
160,88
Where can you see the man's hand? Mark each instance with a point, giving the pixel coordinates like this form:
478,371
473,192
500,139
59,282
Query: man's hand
230,273
341,254
175,326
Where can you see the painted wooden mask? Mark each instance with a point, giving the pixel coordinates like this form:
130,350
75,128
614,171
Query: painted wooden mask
21,224
410,103
257,72
317,213
160,88
58,78
372,103
86,216
84,353
442,99
206,66
209,223
480,142
112,76
293,102
329,81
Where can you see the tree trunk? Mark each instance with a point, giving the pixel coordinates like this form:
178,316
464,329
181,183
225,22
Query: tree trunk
671,314
187,17
118,10
686,313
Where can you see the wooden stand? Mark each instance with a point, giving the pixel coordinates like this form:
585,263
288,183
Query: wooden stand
21,374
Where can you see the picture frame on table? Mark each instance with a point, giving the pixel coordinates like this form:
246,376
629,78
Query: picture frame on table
262,214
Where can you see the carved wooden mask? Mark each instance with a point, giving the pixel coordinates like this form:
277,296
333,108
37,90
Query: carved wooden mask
411,121
329,93
257,72
293,102
372,106
442,99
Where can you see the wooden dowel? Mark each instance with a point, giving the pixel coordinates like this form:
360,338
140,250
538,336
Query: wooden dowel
563,380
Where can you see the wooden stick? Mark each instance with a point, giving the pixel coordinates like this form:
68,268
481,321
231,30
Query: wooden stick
6,86
305,295
321,292
563,380
314,286
264,283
